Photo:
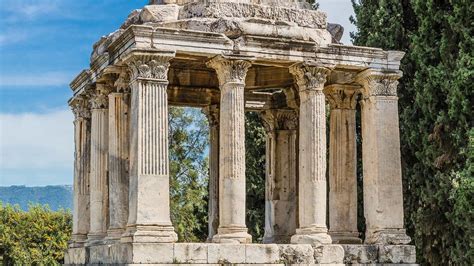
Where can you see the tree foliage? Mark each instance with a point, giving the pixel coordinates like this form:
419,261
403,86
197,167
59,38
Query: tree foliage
436,120
255,174
38,236
188,135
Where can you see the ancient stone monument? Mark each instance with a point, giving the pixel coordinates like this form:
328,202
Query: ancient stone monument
279,58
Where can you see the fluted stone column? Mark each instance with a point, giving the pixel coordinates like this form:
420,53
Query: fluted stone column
149,199
212,113
99,165
82,138
343,164
383,193
119,125
281,170
312,155
231,73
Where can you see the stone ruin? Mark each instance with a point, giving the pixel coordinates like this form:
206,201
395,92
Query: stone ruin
279,58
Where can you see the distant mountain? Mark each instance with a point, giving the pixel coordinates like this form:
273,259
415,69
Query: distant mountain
57,197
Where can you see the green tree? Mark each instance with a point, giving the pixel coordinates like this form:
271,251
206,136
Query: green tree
255,174
436,99
38,236
188,135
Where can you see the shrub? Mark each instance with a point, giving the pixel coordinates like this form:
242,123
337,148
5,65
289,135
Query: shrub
36,237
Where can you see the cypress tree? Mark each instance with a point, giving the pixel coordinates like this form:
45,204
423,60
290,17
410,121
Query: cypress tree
436,99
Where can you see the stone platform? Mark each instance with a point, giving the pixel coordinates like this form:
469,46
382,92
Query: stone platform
219,254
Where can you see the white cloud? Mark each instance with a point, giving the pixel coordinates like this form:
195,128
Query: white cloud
52,78
19,10
36,148
12,37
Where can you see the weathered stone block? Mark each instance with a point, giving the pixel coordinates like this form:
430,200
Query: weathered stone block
262,253
121,253
75,256
159,13
397,254
190,253
153,253
226,253
296,254
360,253
99,254
329,254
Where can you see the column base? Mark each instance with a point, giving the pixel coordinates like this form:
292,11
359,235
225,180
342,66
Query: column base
387,237
232,235
345,237
277,239
78,240
114,234
95,239
315,236
149,234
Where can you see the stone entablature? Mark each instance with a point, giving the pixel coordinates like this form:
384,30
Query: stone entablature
229,57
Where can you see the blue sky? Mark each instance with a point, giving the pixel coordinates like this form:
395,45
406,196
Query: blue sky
44,44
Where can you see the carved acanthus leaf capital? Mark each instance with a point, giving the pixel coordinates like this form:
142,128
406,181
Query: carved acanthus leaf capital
230,70
378,83
287,120
310,77
269,120
99,98
342,96
279,120
80,108
123,82
151,66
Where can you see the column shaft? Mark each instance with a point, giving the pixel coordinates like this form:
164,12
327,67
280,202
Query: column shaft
99,160
270,154
81,212
231,74
312,155
281,186
212,114
149,202
118,164
343,165
383,193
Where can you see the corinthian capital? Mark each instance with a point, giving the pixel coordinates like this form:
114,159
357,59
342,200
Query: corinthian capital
151,65
99,98
80,108
279,120
310,77
378,83
123,82
342,96
230,70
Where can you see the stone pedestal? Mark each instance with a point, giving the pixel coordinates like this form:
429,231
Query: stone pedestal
82,138
312,155
231,73
383,195
343,164
212,114
281,170
149,204
119,125
204,254
99,159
